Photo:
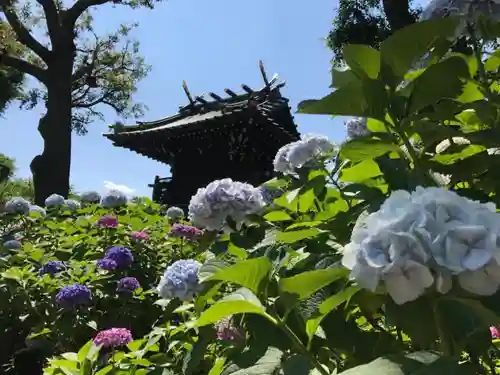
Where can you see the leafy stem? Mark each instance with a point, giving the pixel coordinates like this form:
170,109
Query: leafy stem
300,347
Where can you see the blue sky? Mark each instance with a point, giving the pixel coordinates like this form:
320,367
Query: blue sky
212,45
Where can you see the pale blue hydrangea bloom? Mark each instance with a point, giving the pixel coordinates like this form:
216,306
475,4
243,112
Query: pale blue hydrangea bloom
175,213
300,153
180,280
12,245
431,236
357,127
54,200
71,204
17,205
38,209
211,206
90,197
114,198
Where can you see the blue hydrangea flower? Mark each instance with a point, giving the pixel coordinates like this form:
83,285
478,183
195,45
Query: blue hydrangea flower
357,127
52,267
128,285
211,206
90,197
175,213
12,245
114,198
180,280
71,204
121,255
54,200
17,205
73,295
107,264
41,211
298,154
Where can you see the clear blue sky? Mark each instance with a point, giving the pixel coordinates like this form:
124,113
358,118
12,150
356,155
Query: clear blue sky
212,45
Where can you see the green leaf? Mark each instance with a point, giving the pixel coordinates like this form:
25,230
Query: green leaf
439,81
466,152
362,171
343,77
345,101
326,307
277,216
248,273
405,47
218,366
197,352
396,365
297,365
307,283
366,148
294,236
242,301
266,365
210,268
362,59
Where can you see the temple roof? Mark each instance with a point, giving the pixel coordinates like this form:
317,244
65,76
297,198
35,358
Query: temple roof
201,110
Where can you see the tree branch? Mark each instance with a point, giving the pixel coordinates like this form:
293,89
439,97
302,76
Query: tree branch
79,8
22,34
101,99
23,66
51,17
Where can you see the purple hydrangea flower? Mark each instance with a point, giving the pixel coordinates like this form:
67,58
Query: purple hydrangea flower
185,231
52,267
90,197
113,337
12,245
73,295
107,221
113,198
107,264
128,285
54,200
121,255
180,280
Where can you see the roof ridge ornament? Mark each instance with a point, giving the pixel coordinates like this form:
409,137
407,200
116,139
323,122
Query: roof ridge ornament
188,94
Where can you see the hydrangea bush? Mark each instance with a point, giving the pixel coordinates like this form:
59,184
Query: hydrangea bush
377,256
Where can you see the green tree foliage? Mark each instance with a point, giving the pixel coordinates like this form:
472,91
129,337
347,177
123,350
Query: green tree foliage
79,73
11,80
6,168
368,22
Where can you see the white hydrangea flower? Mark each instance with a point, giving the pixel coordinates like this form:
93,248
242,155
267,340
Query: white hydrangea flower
17,205
298,154
72,205
175,213
114,198
221,199
357,127
427,237
54,200
90,197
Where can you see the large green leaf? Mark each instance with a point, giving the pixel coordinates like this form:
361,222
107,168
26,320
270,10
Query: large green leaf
362,59
439,81
195,355
307,283
393,365
361,171
366,148
248,273
345,101
266,365
293,236
405,47
342,77
274,216
239,302
326,307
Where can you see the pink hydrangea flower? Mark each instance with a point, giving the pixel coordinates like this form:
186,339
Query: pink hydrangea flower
495,332
140,236
113,337
108,221
226,330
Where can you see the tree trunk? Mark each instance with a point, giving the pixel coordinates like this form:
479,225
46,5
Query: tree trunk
51,169
398,13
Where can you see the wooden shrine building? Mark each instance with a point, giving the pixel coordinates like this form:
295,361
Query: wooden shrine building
214,137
